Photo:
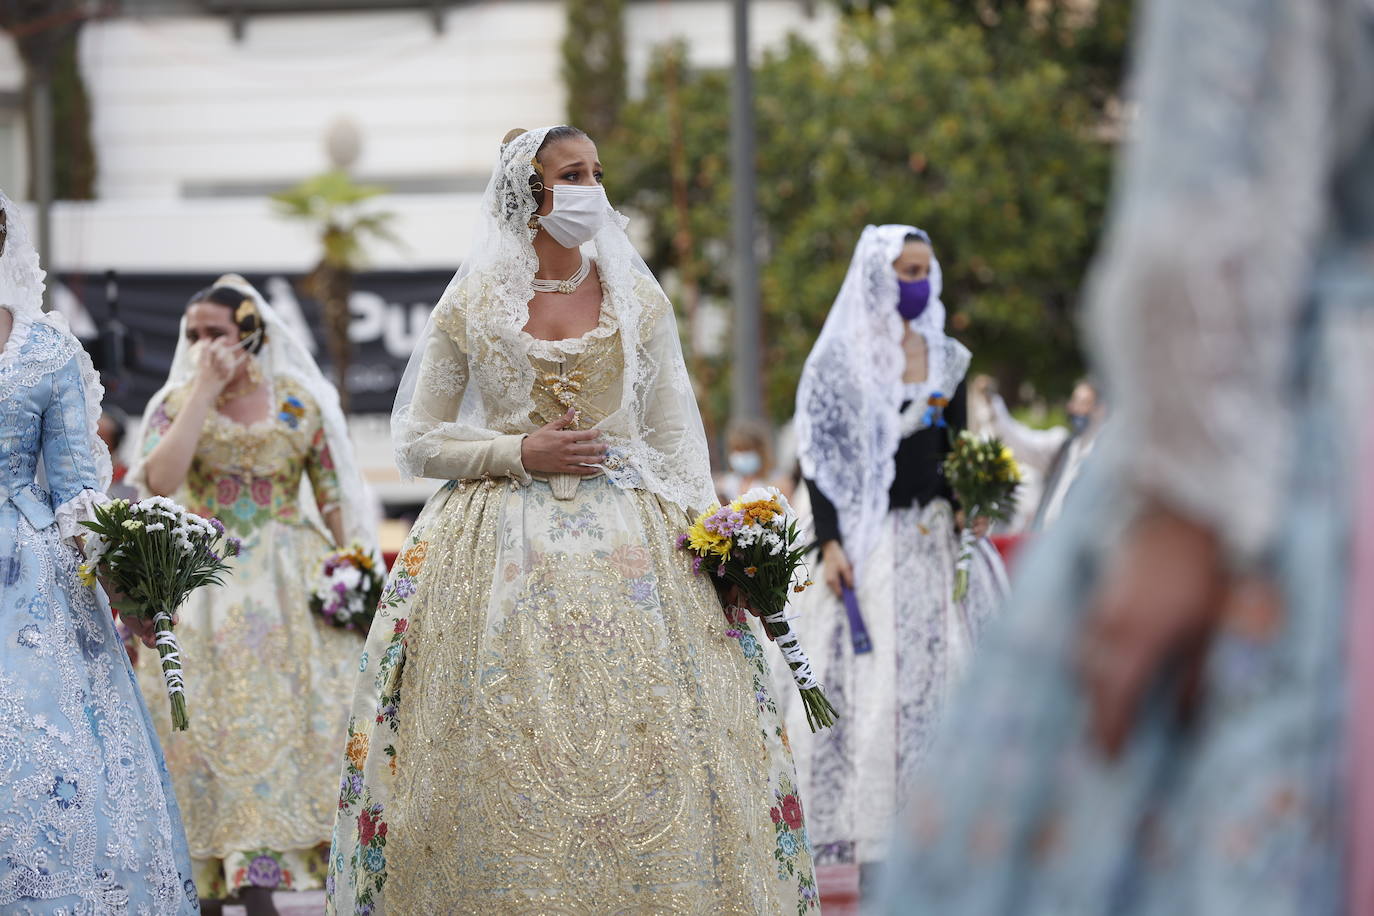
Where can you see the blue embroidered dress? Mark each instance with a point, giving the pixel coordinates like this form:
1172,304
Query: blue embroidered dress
88,821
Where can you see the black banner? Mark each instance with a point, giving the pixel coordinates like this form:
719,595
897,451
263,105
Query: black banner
389,313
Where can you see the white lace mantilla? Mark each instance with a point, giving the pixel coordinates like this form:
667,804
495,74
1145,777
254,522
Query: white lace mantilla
849,420
656,440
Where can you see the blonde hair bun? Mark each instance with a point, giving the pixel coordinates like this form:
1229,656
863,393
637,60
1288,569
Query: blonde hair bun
512,134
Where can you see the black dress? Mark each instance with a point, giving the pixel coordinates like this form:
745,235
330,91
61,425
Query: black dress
920,474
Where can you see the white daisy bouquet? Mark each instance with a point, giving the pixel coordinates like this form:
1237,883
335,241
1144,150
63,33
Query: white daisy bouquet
156,553
754,544
348,591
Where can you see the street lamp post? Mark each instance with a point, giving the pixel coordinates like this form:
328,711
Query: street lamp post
746,400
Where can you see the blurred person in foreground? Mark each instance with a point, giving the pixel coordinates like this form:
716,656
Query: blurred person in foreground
245,418
1159,723
1056,456
554,714
881,396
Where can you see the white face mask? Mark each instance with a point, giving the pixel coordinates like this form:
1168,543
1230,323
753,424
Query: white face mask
746,464
579,212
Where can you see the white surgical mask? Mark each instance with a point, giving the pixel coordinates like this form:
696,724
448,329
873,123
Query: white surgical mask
579,212
746,464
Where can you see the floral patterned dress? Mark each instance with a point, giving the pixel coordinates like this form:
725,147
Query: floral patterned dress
553,714
267,683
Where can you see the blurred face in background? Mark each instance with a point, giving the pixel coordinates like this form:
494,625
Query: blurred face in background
209,323
1082,407
914,262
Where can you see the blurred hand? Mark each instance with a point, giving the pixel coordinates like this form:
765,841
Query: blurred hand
733,597
1160,600
217,365
981,526
835,564
555,449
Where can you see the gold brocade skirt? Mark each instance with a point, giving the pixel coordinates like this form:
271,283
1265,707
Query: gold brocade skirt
267,694
579,728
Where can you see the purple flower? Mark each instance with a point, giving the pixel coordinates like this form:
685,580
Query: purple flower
233,547
217,525
725,522
355,783
641,590
681,541
696,563
264,871
340,588
405,587
720,571
733,634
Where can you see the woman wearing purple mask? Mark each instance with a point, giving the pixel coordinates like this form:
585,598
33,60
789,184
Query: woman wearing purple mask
881,397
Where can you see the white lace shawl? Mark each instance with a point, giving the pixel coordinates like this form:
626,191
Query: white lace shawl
849,420
283,355
656,439
21,290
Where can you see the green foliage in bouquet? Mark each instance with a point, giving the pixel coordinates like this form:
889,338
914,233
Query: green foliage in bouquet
754,544
984,476
155,553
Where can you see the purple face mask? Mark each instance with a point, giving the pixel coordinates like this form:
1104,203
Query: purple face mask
912,298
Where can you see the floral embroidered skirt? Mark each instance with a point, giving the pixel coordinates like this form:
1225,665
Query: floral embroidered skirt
854,774
555,715
267,688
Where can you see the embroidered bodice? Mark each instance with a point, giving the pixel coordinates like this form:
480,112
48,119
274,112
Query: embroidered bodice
249,474
43,415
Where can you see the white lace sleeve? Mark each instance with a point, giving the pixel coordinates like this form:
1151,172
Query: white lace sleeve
1196,294
441,447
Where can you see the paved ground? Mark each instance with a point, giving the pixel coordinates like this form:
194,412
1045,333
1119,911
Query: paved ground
839,897
305,903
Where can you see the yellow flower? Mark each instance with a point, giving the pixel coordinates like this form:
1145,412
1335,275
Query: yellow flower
703,542
86,575
763,511
133,524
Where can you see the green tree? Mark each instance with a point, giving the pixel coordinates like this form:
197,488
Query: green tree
46,34
986,132
337,207
594,64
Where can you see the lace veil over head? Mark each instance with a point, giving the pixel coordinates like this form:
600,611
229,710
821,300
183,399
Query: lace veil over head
21,291
849,400
655,438
283,356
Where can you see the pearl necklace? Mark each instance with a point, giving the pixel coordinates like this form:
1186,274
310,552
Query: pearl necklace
567,286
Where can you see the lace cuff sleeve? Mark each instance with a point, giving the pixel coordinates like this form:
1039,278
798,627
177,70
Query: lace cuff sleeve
437,446
1195,300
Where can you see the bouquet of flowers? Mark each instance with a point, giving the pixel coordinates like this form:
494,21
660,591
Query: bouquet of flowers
753,544
156,553
349,590
984,477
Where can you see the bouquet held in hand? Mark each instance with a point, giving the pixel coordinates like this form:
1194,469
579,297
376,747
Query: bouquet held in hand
349,590
984,477
753,544
156,553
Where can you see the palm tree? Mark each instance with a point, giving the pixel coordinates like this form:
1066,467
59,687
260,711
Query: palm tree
334,203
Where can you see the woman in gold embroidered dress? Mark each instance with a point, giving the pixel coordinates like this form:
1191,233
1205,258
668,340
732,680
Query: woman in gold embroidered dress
244,417
554,715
